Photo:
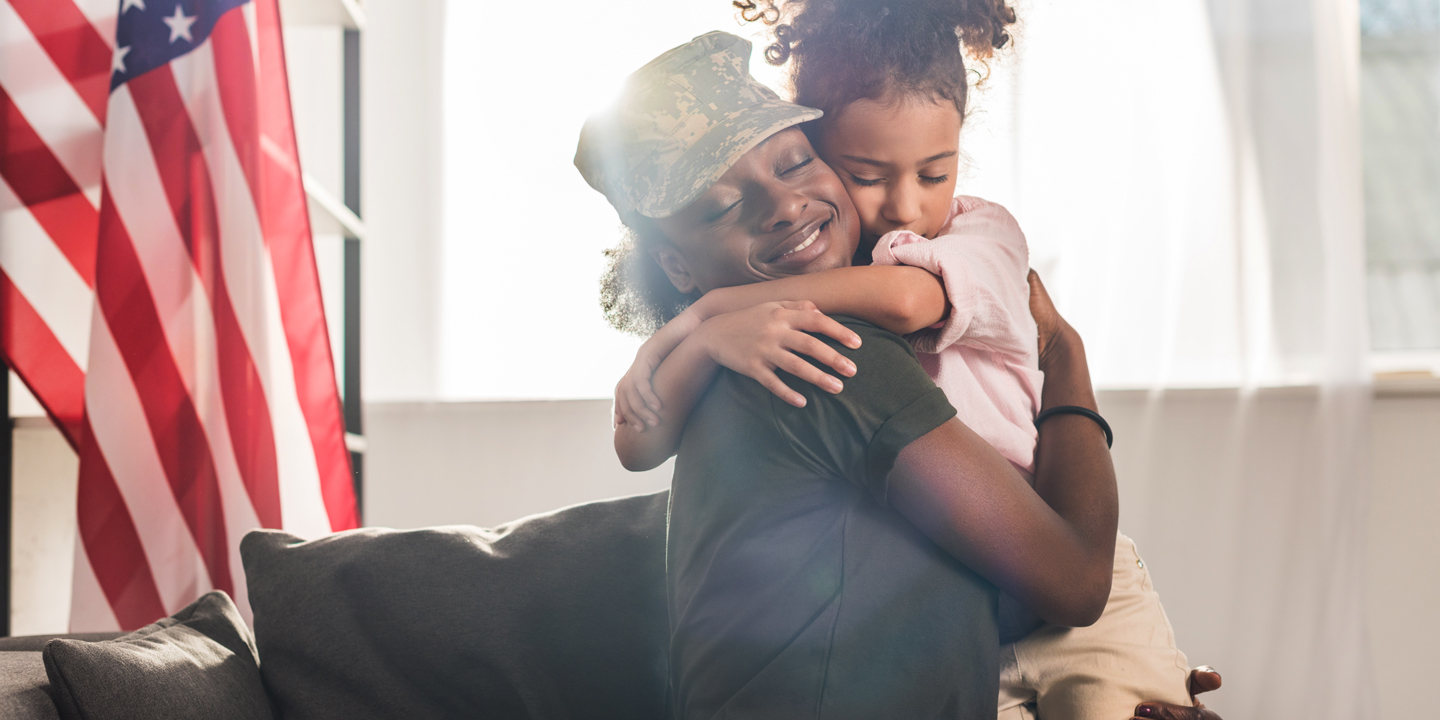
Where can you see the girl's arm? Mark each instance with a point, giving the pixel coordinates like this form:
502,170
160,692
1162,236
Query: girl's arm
1053,548
755,342
898,298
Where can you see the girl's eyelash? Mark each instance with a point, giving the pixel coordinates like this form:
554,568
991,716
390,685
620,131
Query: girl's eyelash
862,182
934,180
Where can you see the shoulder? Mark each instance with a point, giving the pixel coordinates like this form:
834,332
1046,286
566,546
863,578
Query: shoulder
975,213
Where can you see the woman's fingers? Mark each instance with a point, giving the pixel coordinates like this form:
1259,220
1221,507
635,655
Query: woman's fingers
1203,679
647,393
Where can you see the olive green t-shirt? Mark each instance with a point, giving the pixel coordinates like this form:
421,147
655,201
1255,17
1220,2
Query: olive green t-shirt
794,589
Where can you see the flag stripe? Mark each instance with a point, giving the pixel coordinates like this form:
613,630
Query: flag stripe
49,104
46,278
89,608
40,360
280,199
246,266
124,300
74,45
186,177
118,425
107,531
175,289
38,179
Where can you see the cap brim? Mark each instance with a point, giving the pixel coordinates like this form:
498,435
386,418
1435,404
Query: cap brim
721,147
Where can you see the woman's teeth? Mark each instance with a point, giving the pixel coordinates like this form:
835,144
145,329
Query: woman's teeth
805,244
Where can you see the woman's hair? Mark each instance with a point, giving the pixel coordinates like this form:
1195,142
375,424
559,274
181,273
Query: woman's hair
847,50
637,296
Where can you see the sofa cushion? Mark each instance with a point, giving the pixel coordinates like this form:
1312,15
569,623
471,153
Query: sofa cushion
559,615
200,662
24,690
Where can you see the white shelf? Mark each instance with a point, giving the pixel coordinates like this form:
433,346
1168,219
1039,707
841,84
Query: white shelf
345,13
332,215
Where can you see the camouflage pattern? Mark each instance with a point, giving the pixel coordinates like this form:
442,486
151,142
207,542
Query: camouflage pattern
681,121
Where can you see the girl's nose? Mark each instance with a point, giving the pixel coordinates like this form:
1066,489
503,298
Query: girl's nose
902,205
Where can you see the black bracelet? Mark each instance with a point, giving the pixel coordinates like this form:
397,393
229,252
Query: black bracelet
1077,410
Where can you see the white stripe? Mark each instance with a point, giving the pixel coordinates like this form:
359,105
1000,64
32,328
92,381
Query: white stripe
250,279
49,103
247,11
45,277
122,432
101,14
184,309
89,608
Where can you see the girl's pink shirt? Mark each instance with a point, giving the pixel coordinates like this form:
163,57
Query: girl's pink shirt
984,355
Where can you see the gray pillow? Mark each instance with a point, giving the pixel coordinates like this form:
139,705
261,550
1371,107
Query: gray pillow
555,616
198,663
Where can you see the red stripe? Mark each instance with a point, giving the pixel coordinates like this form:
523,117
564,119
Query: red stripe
112,543
34,353
125,300
183,172
74,45
285,222
42,183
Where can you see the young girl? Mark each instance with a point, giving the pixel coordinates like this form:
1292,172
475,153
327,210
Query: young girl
890,78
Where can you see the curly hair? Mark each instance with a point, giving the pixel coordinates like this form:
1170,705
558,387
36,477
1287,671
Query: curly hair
637,296
848,50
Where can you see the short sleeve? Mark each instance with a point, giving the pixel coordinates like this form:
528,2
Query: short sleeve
858,434
982,258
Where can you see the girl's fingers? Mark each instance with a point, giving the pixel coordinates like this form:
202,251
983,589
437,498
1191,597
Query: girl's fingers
818,322
772,382
796,365
647,393
799,305
812,346
642,415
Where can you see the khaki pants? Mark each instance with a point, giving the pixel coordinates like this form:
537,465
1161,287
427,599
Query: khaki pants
1103,671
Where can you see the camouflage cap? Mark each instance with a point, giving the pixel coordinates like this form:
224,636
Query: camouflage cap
682,120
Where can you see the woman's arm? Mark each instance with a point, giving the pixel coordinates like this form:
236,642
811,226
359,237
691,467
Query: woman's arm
1051,548
754,342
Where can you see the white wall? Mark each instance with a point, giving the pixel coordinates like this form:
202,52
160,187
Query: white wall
400,197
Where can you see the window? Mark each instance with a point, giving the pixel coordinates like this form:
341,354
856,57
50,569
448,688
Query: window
1400,107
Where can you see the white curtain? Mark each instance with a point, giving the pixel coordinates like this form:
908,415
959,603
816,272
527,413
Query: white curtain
1188,174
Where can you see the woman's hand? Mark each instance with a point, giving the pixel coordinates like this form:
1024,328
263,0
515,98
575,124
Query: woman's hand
1048,322
758,341
1202,679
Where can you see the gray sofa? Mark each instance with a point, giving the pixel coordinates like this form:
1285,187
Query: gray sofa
555,616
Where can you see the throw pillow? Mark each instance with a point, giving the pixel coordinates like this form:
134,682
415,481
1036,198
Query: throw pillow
555,616
198,663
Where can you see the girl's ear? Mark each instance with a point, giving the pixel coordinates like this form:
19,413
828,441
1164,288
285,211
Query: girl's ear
676,269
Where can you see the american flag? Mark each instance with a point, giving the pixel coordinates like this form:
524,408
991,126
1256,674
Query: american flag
159,292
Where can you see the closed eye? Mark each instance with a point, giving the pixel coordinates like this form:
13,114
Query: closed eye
713,217
934,180
863,182
798,166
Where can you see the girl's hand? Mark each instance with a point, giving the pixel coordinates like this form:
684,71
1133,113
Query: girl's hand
636,403
757,341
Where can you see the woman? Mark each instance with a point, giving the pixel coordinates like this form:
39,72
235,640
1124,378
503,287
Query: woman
820,559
